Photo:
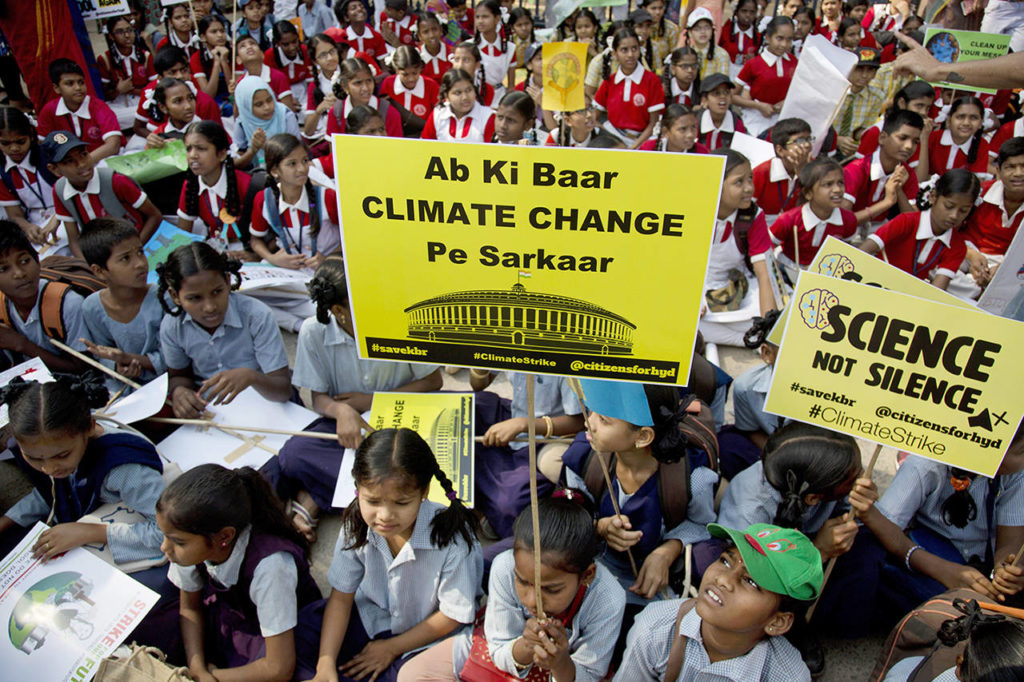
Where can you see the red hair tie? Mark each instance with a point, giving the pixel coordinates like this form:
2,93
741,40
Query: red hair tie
960,484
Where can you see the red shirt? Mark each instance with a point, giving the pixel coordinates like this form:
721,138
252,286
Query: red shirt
763,79
476,126
325,163
810,230
420,100
297,222
630,100
869,143
435,66
738,44
165,41
774,191
297,70
653,145
911,246
336,119
210,202
716,138
1005,132
276,79
989,229
822,29
113,71
943,155
94,121
865,182
369,41
89,205
206,106
403,28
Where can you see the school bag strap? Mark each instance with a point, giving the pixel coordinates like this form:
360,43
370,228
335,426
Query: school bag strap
673,484
51,307
273,214
412,125
698,425
60,274
111,204
257,183
677,653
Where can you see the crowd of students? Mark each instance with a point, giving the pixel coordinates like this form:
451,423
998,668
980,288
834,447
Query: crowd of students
712,580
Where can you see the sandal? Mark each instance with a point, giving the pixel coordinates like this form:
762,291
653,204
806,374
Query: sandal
299,513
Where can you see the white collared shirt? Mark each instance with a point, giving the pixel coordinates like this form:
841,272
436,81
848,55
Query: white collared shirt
926,233
678,92
772,59
993,196
408,93
947,141
813,222
217,193
81,112
739,34
633,78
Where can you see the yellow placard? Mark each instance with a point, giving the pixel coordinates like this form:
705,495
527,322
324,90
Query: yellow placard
558,261
836,258
918,375
297,22
445,421
564,67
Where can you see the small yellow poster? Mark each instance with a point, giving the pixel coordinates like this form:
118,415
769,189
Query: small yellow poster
564,67
921,376
585,262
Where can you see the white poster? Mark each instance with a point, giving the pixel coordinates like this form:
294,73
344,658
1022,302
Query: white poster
757,151
65,615
101,9
281,280
1004,295
818,88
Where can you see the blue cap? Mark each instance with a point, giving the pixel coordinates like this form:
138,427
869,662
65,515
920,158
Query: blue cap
618,399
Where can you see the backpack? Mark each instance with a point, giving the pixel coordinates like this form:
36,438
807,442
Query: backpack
274,216
916,635
61,274
111,204
7,175
677,653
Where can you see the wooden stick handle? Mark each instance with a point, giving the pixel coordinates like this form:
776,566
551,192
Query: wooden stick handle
1016,557
94,363
534,513
540,439
255,429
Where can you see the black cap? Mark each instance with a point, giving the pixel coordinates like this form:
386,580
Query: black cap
397,4
868,56
713,81
531,51
639,16
57,144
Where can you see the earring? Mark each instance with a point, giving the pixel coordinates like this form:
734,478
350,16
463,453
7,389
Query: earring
771,629
224,544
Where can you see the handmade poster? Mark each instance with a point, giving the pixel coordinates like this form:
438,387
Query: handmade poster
444,420
282,280
529,259
165,240
190,446
564,66
141,403
62,617
30,370
102,9
757,151
1004,295
837,258
818,87
936,380
952,47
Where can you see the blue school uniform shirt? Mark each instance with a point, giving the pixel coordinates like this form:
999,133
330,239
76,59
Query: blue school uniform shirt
750,499
773,659
749,391
32,327
140,336
592,633
327,361
317,19
921,486
396,593
551,396
248,337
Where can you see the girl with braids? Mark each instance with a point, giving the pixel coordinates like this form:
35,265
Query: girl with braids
301,216
320,95
960,144
586,28
126,67
632,97
764,80
177,104
678,132
466,56
640,21
681,79
739,35
246,592
342,387
171,62
664,33
26,184
222,343
211,63
355,87
408,88
253,22
497,52
211,198
459,117
179,30
435,52
583,601
521,23
291,57
406,571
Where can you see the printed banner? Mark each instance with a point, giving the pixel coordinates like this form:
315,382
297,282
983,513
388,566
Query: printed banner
444,420
548,260
1004,295
924,377
952,47
564,66
836,258
101,9
62,617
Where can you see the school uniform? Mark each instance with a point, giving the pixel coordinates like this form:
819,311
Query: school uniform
206,106
749,391
277,81
404,28
89,205
879,17
990,229
263,34
775,190
324,86
741,45
211,201
1006,131
327,361
869,143
750,499
93,122
768,77
865,185
420,99
595,70
552,139
662,43
113,69
296,69
29,189
369,41
315,19
773,659
188,46
944,154
392,119
476,126
591,633
243,134
435,66
140,336
630,100
719,62
911,245
496,60
248,337
295,220
810,231
658,145
256,593
689,98
821,28
714,137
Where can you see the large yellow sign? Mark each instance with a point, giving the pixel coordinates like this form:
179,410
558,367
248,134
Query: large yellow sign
560,261
924,377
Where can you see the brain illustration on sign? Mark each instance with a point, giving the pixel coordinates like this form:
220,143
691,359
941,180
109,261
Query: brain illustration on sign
814,307
835,265
55,603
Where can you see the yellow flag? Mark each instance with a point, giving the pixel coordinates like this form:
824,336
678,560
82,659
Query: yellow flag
565,65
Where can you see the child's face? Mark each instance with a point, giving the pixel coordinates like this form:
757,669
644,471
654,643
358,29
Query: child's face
858,12
522,27
215,35
203,157
1010,172
179,71
389,507
56,454
628,54
701,33
429,32
410,75
179,103
828,192
360,88
123,34
373,126
860,76
15,146
790,8
795,152
949,212
253,12
463,59
643,30
583,120
537,64
682,134
181,548
457,12
656,8
509,124
964,122
781,41
249,51
737,189
803,26
851,40
830,8
293,171
685,72
718,100
731,601
921,105
484,21
558,587
745,14
263,105
901,144
289,44
204,296
461,98
127,266
393,13
77,167
584,28
202,8
72,88
19,275
355,12
180,20
609,434
326,56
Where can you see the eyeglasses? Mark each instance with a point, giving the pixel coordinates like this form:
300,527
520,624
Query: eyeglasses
123,31
693,66
800,140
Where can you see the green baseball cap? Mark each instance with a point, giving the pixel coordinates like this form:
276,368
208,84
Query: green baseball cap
780,560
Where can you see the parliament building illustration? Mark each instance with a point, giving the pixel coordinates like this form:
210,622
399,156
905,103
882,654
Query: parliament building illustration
517,318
